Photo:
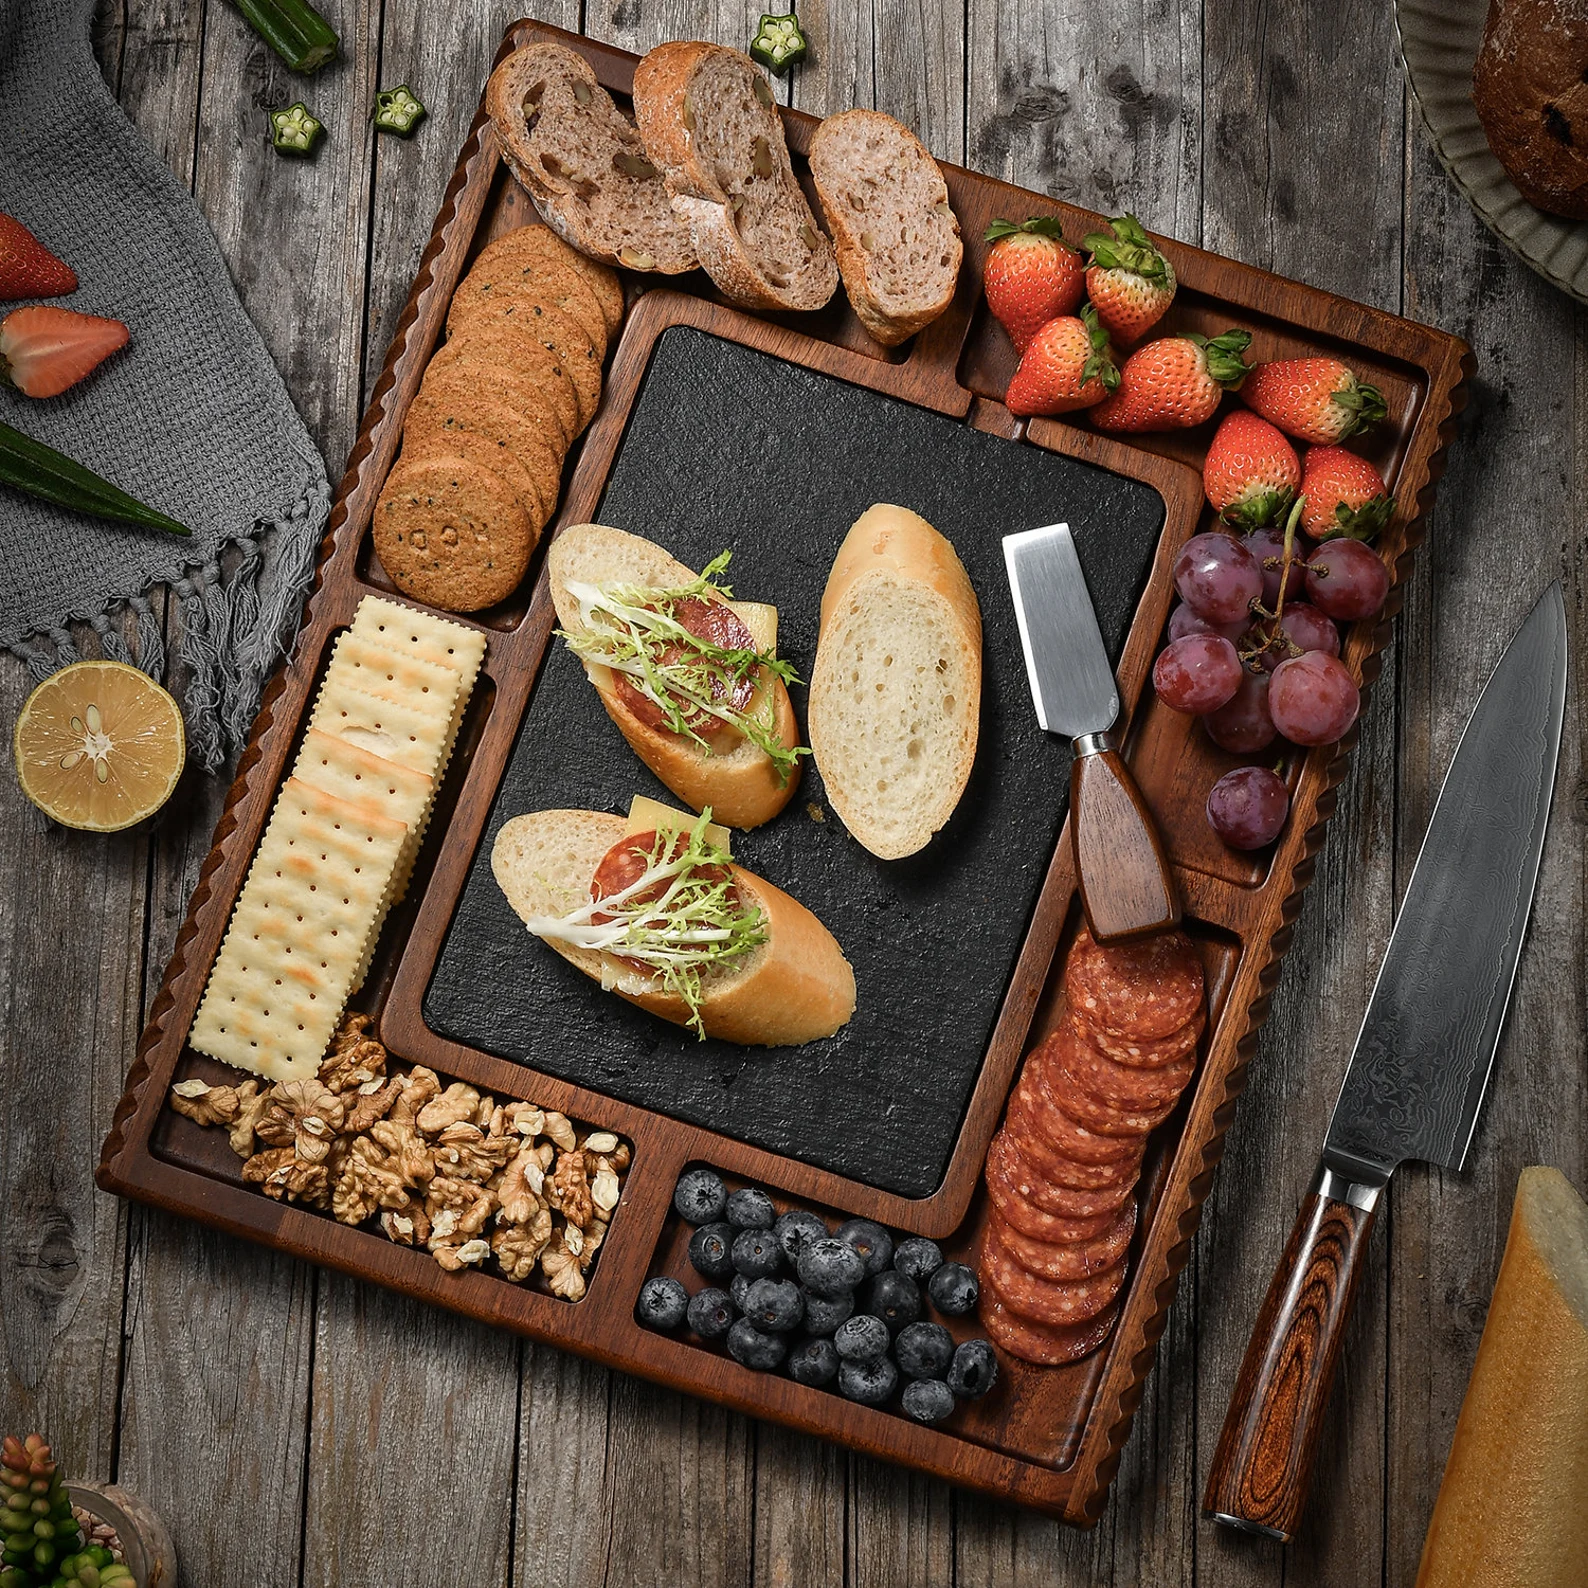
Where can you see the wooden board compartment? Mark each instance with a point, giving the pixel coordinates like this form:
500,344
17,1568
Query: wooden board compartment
1048,1438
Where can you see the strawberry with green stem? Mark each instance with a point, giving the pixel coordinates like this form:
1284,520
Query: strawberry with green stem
1032,276
1174,382
1318,400
1251,471
1345,495
1130,283
1067,366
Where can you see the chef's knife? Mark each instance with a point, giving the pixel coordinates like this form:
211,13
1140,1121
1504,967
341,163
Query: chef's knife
1126,889
1419,1070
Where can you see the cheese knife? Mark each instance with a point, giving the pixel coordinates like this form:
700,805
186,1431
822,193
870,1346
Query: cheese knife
1126,888
1419,1071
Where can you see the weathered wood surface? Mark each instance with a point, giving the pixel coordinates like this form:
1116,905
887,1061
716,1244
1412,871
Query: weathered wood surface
302,1427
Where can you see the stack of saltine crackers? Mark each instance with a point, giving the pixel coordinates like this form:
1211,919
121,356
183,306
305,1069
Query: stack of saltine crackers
341,840
515,384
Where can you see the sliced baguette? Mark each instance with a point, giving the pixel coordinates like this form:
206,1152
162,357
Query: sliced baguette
896,235
795,988
710,123
740,784
895,696
583,163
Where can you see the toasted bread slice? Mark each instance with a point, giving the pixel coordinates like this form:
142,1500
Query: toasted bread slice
710,123
896,691
795,988
583,163
740,784
896,235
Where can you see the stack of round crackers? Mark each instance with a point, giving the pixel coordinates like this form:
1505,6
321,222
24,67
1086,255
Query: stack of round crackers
516,382
1061,1173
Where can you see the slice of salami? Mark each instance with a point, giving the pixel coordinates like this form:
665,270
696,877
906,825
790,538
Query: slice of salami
1044,1345
1143,989
1144,1052
1046,1300
1058,1167
1058,1128
1019,1211
1007,1163
1070,1259
1075,1063
1095,1114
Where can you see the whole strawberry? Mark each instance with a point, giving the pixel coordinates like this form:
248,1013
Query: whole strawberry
1032,276
1174,382
27,268
1251,471
1129,282
1313,399
1067,366
1345,495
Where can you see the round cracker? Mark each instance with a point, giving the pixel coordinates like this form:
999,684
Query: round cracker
500,357
511,288
439,412
496,456
463,385
560,335
541,242
452,534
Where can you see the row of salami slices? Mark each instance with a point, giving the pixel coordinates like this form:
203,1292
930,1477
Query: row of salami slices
1062,1172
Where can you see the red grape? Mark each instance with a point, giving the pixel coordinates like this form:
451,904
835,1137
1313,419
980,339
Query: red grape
1266,543
1247,807
1217,577
1313,699
1347,580
1197,674
1304,628
1183,621
1243,725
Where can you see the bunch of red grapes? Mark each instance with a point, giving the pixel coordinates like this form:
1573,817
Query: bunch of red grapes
1254,651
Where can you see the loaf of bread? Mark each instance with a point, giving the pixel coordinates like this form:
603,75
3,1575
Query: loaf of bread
886,205
709,121
1512,1510
582,161
1530,89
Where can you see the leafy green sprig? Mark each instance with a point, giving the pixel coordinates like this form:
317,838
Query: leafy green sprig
627,628
696,925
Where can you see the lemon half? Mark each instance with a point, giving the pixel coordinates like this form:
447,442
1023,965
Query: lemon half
99,746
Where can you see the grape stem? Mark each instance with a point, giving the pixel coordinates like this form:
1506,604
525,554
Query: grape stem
1274,634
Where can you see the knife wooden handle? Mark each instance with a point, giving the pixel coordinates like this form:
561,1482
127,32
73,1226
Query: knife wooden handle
1263,1465
1126,889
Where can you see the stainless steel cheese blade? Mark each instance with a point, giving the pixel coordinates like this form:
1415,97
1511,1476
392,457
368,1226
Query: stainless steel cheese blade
1126,888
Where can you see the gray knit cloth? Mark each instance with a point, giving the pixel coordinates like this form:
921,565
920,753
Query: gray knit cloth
192,417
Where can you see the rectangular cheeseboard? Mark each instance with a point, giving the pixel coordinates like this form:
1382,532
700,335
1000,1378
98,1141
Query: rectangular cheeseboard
891,1119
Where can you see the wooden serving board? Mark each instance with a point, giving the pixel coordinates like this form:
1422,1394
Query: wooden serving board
1046,1437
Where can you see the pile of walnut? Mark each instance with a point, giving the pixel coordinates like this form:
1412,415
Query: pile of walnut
450,1170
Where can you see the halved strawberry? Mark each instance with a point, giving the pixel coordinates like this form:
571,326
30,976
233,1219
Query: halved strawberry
1251,471
1345,495
1067,366
1313,399
27,268
1032,276
43,350
1129,282
1174,382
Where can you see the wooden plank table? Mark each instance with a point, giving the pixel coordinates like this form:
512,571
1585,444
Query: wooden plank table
299,1427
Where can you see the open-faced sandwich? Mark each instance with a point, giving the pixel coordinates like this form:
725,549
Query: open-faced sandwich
690,676
655,910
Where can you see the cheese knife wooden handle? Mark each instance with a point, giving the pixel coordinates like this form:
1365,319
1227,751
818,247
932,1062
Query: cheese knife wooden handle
1262,1467
1126,888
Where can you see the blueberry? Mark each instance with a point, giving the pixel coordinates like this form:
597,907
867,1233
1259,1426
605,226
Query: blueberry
873,1243
775,1305
823,1314
830,1267
917,1258
739,1289
923,1350
748,1345
974,1371
756,1253
870,1383
894,1299
928,1400
861,1338
711,1250
700,1196
750,1209
710,1313
953,1289
814,1362
796,1230
663,1303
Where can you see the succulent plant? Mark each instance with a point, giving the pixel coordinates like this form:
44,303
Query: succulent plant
94,1567
35,1514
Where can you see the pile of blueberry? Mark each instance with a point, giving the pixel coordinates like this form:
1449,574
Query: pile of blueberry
844,1306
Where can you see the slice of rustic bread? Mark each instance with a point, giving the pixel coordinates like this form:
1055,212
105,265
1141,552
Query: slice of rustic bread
710,123
887,208
582,161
